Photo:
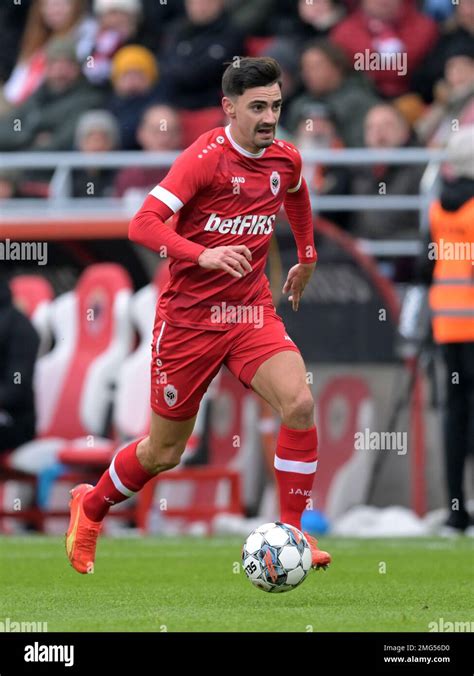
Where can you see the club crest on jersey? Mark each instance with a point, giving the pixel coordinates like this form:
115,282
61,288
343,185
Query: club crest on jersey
171,395
275,182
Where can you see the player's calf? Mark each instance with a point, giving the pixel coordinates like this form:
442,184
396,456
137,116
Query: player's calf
156,457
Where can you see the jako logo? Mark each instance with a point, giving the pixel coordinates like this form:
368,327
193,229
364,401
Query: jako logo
255,225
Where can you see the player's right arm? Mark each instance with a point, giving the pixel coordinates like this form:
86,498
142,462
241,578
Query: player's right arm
231,259
187,176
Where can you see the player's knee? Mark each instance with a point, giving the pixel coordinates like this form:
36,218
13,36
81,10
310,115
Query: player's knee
299,410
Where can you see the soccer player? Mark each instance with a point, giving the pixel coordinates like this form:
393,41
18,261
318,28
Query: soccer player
226,189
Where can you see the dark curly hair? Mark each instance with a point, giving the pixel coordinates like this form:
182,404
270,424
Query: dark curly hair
247,72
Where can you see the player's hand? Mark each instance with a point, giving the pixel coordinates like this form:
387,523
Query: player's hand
231,259
298,276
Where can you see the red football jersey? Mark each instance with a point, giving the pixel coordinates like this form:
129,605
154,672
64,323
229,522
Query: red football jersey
224,195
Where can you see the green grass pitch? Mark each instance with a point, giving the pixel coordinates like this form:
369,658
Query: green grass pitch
197,584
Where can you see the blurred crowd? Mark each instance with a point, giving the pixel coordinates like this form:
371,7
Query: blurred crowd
102,75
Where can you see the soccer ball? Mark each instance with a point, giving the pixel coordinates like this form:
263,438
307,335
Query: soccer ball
276,557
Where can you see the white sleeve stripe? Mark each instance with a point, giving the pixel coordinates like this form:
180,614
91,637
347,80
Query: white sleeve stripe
297,187
167,197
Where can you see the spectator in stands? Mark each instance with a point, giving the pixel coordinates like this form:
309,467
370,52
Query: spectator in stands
284,17
454,97
328,79
47,19
411,107
9,184
459,29
159,130
451,299
315,20
119,23
158,16
251,17
47,119
387,27
196,48
12,25
134,79
284,52
439,10
96,132
385,127
317,130
18,348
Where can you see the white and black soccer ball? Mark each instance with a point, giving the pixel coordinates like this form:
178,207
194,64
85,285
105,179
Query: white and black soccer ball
276,557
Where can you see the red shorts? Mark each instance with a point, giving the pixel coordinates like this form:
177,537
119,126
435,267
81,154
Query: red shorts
185,361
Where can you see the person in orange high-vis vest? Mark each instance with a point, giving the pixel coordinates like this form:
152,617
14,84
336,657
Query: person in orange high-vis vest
451,298
452,289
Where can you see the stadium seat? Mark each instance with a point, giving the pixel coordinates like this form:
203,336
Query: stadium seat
255,44
196,122
32,294
131,404
29,292
74,382
78,458
131,417
130,414
131,398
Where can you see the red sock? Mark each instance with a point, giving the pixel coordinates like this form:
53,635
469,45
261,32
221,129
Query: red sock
295,466
124,478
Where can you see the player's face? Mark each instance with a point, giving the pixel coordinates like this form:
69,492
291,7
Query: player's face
255,115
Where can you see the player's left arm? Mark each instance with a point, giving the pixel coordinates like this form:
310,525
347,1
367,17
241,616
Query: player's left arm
298,209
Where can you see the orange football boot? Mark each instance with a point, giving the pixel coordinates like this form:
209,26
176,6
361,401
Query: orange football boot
321,560
82,534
